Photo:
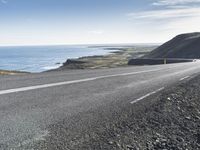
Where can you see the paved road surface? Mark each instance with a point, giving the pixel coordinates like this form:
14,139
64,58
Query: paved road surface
60,106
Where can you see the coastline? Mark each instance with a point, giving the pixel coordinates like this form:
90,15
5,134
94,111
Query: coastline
117,58
10,72
37,59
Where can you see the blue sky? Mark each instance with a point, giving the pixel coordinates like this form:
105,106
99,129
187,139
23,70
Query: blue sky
41,22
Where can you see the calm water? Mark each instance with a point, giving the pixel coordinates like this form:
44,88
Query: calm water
42,58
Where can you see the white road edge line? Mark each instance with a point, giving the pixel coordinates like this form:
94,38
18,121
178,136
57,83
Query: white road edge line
22,89
184,78
147,95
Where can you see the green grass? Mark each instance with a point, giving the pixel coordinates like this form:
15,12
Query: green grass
5,72
116,59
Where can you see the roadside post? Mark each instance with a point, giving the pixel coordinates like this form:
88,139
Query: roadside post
165,61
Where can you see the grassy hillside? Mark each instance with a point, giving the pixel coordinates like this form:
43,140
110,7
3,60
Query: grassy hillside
5,72
182,46
119,58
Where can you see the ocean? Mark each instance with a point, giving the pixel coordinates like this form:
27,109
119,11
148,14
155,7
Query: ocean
42,58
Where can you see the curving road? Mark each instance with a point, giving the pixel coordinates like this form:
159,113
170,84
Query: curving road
50,110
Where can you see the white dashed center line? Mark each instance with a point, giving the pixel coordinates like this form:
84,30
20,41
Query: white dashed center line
29,88
184,78
147,95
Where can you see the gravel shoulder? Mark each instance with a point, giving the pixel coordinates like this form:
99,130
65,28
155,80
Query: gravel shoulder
167,120
170,120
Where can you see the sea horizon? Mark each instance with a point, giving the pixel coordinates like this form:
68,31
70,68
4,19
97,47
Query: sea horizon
85,45
39,58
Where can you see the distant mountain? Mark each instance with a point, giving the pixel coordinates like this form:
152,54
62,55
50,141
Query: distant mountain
182,46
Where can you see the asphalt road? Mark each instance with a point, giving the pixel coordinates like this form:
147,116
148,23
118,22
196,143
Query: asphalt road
53,110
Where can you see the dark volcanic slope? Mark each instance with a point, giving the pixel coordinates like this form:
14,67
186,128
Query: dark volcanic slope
182,46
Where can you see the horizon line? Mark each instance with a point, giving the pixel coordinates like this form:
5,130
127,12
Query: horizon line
89,44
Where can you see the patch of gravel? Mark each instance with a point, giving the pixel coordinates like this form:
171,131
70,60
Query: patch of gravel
172,122
169,120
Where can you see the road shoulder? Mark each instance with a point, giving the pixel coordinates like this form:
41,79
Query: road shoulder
169,119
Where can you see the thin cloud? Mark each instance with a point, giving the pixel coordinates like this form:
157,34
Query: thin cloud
4,1
164,14
167,20
97,32
174,2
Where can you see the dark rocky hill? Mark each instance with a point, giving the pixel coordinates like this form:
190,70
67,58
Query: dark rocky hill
182,46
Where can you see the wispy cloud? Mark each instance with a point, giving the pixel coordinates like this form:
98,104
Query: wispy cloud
167,18
97,32
4,1
174,2
162,14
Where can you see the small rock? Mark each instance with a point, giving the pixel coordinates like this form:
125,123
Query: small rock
198,138
197,117
118,144
163,140
118,135
110,142
157,140
131,148
169,98
180,139
198,111
158,134
189,118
